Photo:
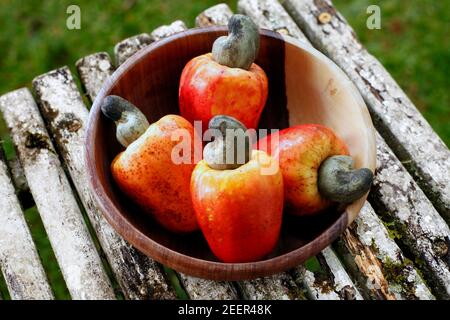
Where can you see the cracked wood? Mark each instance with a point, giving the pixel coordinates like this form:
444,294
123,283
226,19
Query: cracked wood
62,107
281,286
376,261
269,14
410,214
74,249
19,261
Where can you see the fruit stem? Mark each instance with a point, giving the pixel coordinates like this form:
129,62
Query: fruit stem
340,182
240,48
131,123
231,146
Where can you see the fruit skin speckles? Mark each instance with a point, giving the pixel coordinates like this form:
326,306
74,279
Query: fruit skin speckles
300,151
239,210
146,173
208,88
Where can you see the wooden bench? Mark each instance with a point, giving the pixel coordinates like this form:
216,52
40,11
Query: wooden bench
396,249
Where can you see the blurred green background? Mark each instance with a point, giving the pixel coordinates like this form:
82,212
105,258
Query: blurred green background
413,45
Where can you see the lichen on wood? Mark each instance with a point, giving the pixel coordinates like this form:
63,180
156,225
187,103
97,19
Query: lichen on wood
74,249
328,281
202,289
276,287
217,15
269,14
397,197
165,31
94,70
127,47
376,261
63,108
19,261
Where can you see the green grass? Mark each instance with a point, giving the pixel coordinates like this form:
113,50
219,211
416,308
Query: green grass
412,45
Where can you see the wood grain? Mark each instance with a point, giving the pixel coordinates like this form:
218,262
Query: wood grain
202,289
279,286
94,70
217,15
418,226
126,48
377,263
329,281
269,14
65,113
380,245
19,260
74,249
168,30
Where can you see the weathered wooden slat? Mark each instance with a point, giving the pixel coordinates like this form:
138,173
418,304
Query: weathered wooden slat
94,70
201,289
214,16
126,48
74,249
165,31
277,287
269,14
329,282
377,262
406,131
19,261
373,264
416,223
64,111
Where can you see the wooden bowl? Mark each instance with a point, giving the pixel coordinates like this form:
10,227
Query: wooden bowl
305,87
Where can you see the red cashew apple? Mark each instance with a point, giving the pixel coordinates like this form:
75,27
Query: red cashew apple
226,81
145,171
317,169
239,209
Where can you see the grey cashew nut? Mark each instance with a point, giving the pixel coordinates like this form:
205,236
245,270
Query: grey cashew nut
240,48
131,123
231,147
340,182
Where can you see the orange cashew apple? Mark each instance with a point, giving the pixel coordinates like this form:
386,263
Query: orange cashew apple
145,171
